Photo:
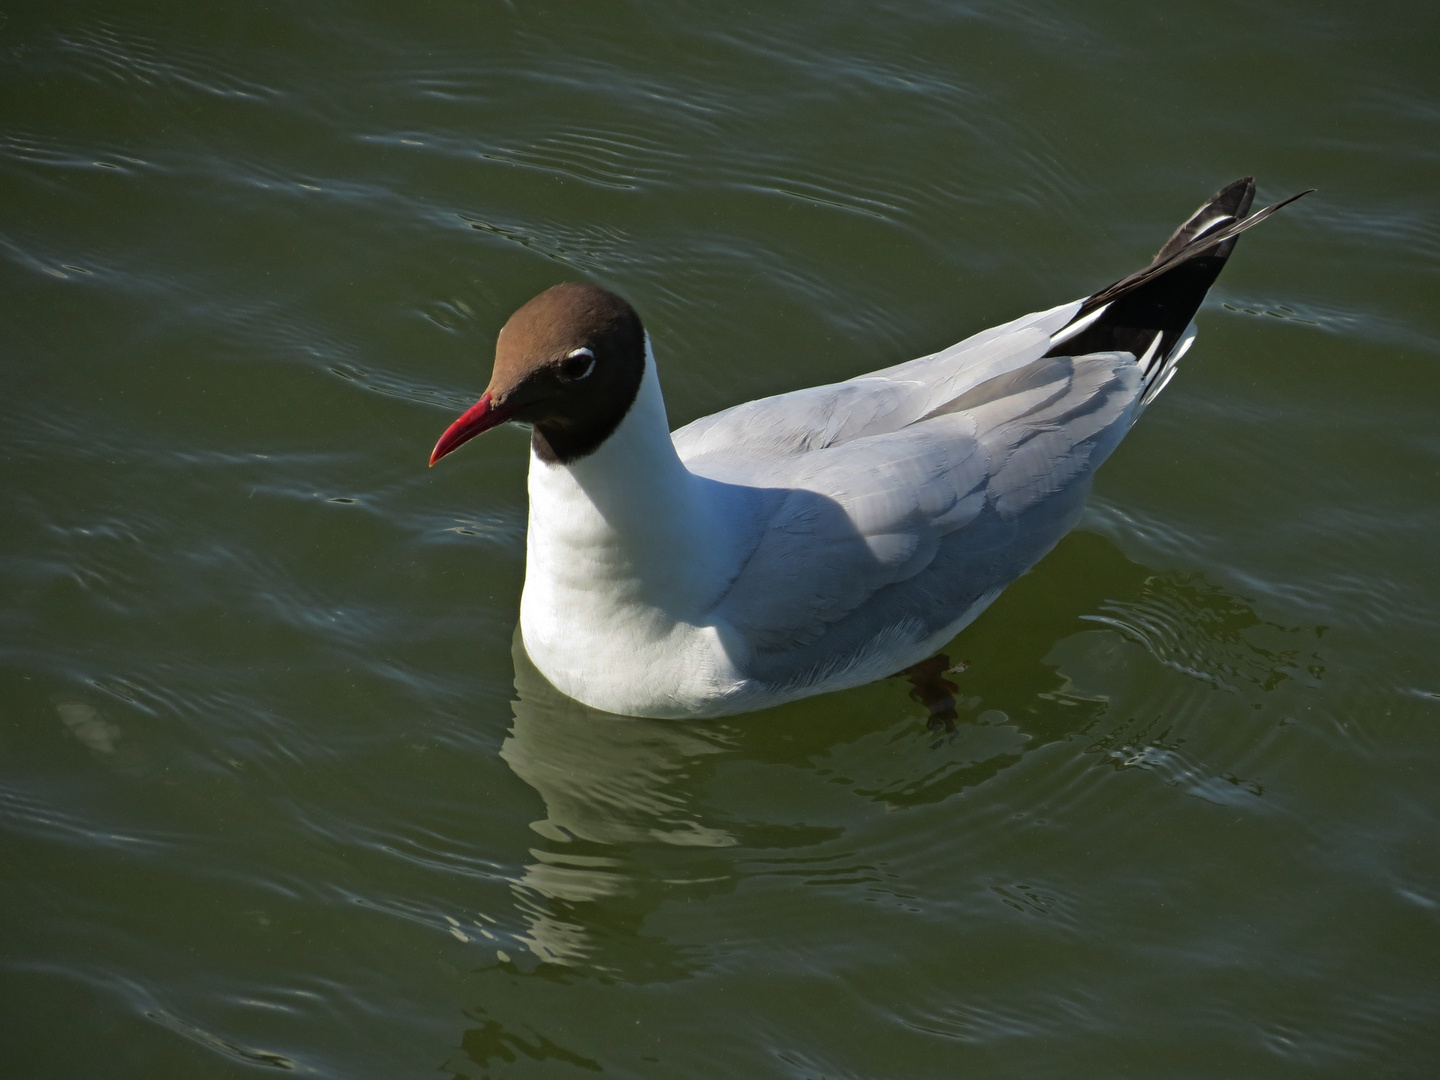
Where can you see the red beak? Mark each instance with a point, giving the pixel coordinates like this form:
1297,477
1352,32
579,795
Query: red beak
479,418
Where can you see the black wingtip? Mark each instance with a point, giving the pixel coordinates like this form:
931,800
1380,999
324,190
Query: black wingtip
1164,296
1235,197
1230,203
1210,238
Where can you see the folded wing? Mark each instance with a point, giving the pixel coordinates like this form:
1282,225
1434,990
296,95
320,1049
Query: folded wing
885,401
904,531
896,505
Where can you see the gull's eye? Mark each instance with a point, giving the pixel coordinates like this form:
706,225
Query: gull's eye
577,365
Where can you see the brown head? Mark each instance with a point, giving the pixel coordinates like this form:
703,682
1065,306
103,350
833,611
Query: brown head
568,363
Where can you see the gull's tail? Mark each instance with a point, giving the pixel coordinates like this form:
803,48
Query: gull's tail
1149,312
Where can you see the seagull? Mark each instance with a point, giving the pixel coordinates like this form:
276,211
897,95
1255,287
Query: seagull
820,539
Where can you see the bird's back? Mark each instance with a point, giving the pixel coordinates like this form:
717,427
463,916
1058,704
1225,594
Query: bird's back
898,504
883,537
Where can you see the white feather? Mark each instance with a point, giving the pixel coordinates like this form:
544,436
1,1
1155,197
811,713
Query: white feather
1078,325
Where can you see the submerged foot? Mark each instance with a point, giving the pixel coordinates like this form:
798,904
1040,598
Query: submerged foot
932,689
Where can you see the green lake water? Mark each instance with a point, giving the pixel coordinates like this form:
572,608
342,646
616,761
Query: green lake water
277,790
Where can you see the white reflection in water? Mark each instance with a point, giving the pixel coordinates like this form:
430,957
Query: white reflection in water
88,726
606,780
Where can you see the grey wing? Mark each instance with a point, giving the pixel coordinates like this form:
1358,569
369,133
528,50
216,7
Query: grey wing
900,534
875,404
848,522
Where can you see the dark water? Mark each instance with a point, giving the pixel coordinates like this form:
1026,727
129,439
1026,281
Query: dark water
274,793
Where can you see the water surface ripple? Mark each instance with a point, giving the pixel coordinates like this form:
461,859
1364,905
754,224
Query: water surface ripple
278,790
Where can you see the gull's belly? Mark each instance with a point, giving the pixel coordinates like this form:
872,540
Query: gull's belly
607,650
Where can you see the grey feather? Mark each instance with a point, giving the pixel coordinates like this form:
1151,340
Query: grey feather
905,529
884,401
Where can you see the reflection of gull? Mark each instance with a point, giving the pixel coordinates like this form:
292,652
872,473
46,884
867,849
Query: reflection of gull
606,780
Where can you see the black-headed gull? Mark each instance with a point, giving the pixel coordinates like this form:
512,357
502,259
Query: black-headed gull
824,538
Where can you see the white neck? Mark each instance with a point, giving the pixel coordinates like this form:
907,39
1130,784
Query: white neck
628,526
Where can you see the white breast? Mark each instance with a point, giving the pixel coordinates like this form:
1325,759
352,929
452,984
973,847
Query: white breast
627,553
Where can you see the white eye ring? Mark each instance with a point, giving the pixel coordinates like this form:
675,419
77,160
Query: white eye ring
575,354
